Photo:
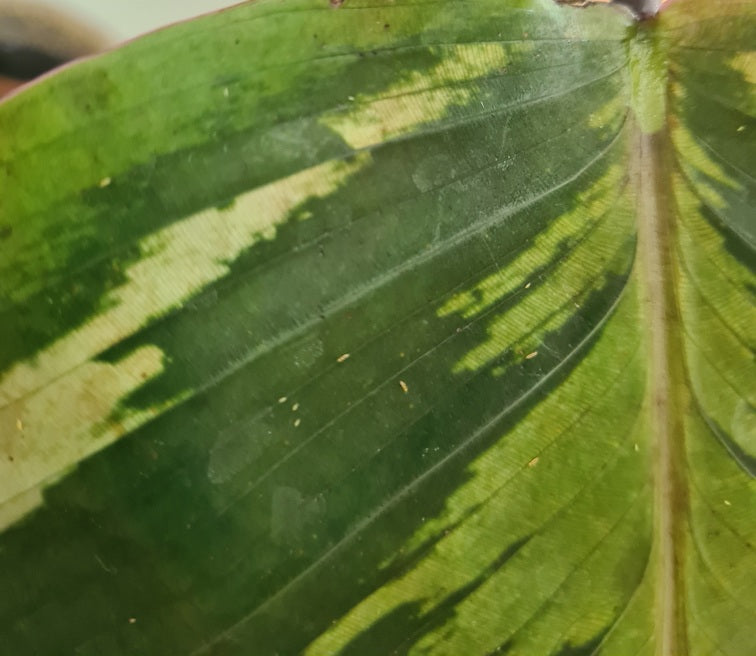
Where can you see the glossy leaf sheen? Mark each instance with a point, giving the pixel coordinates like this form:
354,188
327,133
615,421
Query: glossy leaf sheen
384,328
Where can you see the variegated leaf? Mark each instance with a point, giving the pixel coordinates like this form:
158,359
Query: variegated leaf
384,328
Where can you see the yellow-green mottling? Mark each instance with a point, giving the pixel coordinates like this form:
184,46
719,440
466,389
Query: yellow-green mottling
647,59
62,391
595,232
562,430
370,328
422,97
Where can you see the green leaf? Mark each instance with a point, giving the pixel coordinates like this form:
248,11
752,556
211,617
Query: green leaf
374,328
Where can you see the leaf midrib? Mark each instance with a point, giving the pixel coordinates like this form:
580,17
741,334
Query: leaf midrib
667,376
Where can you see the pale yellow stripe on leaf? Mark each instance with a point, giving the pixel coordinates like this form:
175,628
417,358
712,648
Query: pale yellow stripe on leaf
422,96
719,320
722,399
178,261
22,504
607,113
522,589
708,336
720,277
693,157
58,407
523,327
44,434
497,503
518,274
745,63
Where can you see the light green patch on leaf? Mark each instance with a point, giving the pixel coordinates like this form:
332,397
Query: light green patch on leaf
699,163
197,251
745,63
77,404
424,96
368,328
524,464
573,253
61,390
647,60
609,110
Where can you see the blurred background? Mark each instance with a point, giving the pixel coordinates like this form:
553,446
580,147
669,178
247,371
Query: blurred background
37,35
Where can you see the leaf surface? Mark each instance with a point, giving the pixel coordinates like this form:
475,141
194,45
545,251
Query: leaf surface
384,328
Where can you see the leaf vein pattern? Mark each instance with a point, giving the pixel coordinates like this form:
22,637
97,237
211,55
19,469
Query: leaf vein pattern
320,431
461,448
705,299
346,300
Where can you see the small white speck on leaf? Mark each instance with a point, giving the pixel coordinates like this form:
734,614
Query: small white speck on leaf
132,620
343,357
727,503
531,355
741,128
351,98
283,399
404,386
528,285
636,447
105,182
297,422
295,407
533,462
225,92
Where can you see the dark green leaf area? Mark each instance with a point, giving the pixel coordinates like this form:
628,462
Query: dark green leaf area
324,400
412,210
105,547
222,149
232,456
729,140
227,151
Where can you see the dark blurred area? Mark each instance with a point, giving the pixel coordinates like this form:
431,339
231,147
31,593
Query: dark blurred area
35,38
